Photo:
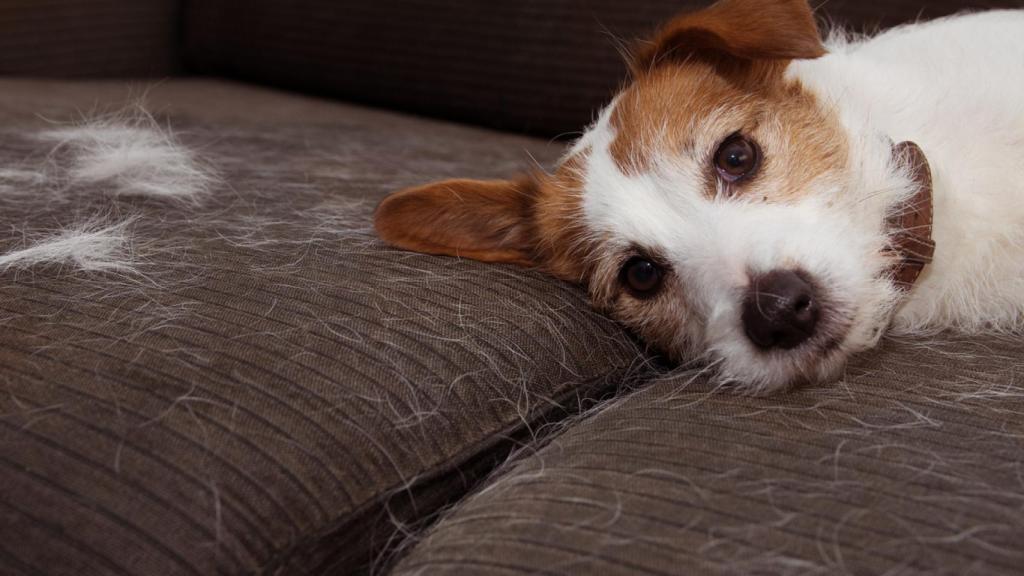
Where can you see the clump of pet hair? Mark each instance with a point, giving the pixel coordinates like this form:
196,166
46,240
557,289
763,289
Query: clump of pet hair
133,154
90,246
17,176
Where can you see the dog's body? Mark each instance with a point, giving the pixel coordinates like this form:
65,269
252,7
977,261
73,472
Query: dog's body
736,201
955,87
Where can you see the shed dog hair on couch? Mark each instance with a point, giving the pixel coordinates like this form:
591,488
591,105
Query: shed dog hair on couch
763,199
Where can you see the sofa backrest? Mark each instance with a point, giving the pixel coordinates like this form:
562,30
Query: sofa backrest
539,66
536,66
90,38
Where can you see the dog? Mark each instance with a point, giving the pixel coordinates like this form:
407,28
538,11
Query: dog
772,202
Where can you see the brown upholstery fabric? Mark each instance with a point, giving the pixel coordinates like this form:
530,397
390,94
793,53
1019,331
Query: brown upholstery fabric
912,465
274,385
77,38
542,66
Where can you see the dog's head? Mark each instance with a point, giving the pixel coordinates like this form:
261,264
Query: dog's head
717,207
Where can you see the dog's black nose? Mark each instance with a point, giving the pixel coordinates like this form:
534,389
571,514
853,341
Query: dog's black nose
781,310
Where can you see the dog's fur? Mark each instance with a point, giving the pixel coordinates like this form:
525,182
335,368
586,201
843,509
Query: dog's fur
825,116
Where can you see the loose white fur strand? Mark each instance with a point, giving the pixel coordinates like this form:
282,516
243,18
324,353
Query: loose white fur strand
90,246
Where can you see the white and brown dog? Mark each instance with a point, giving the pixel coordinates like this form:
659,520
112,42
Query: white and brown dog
761,198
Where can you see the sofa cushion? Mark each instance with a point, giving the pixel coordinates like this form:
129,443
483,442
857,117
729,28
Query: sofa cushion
81,38
911,465
267,387
542,66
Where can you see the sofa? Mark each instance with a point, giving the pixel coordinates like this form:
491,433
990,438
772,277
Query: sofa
266,388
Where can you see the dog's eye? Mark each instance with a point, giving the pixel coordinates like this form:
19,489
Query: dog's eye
642,277
737,158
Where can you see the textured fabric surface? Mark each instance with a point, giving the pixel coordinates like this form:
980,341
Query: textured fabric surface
77,38
914,464
272,386
542,66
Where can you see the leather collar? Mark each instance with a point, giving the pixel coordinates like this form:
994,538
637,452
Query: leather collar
911,226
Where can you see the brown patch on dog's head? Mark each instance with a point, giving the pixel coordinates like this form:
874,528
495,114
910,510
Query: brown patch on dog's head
660,109
564,246
720,72
688,110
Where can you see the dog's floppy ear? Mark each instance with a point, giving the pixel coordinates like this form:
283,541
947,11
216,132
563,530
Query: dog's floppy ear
735,29
490,221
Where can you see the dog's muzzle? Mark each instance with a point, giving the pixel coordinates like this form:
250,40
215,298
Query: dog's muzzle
911,226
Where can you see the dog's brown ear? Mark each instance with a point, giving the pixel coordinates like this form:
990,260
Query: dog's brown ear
735,29
491,221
